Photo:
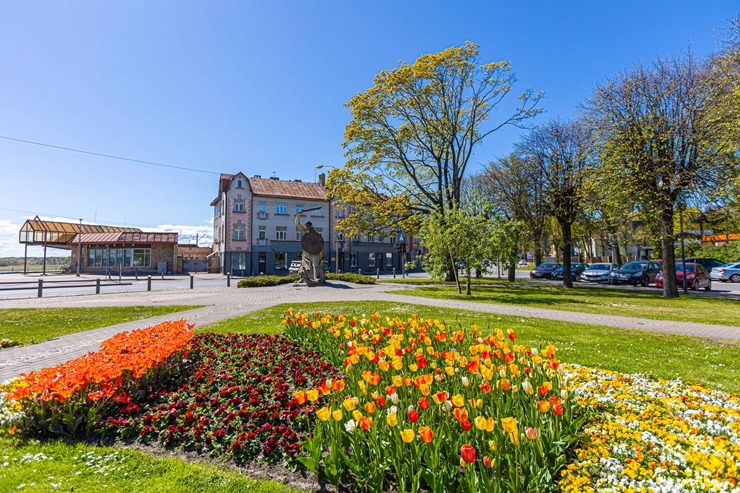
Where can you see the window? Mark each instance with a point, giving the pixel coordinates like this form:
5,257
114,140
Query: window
354,260
281,233
239,232
340,212
217,211
371,238
142,257
298,235
371,260
239,184
388,259
238,206
281,258
318,212
263,208
298,208
238,261
340,236
282,208
262,232
319,231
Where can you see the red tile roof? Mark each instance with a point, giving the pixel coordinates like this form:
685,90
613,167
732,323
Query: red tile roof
136,238
288,189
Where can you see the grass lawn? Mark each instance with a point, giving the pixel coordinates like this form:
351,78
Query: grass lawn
591,299
33,325
58,466
666,356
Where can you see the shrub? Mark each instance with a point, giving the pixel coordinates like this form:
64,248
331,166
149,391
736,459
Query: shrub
439,408
264,281
349,277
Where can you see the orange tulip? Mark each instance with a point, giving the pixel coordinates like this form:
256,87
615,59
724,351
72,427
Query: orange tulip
426,434
467,452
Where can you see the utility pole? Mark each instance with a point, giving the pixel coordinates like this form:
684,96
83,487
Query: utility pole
79,248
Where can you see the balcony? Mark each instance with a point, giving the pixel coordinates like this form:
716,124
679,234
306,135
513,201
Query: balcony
261,215
262,242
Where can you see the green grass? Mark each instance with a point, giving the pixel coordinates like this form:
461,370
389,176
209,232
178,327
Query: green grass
32,325
601,300
31,466
629,351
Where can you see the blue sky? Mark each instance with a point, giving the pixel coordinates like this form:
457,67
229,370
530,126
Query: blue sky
260,87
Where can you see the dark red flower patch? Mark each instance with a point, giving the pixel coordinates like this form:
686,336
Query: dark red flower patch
236,398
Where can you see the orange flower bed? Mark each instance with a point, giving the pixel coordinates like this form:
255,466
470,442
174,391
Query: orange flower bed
126,362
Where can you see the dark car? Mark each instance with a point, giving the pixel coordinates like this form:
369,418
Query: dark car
575,271
707,263
636,272
543,271
696,276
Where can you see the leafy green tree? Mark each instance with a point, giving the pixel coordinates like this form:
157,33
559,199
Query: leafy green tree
413,133
659,141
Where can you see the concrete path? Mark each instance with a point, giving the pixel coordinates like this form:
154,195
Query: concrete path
224,303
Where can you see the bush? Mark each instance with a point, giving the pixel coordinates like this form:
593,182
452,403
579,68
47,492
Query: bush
264,281
349,277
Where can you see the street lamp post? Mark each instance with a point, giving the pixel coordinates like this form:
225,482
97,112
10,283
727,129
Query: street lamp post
79,248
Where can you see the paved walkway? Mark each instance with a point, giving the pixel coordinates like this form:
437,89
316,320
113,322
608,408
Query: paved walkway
224,303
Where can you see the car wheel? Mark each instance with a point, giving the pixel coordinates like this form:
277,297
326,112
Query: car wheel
709,286
694,285
735,278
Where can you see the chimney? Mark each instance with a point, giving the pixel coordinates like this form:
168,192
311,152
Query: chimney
322,179
257,176
274,178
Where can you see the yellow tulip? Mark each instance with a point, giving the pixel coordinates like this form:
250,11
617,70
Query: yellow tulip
407,435
323,413
313,395
458,400
337,415
349,403
391,419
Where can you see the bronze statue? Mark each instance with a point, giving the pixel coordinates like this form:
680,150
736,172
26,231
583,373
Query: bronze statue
311,271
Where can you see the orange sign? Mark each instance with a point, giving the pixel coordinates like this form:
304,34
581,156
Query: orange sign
725,237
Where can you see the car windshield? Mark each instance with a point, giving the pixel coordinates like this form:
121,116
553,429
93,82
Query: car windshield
547,266
689,267
634,266
600,267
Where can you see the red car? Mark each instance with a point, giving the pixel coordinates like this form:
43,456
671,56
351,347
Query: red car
696,277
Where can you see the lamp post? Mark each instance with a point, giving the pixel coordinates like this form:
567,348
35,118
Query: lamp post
79,248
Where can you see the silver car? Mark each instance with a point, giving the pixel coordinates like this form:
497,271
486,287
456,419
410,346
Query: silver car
728,272
598,272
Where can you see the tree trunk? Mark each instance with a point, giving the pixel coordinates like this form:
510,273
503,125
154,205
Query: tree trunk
670,288
567,250
537,247
511,273
467,284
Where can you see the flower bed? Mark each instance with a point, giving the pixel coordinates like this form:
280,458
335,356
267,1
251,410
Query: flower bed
6,343
235,401
429,406
70,399
653,435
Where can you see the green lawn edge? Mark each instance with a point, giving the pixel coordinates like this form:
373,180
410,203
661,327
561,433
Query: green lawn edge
34,325
602,300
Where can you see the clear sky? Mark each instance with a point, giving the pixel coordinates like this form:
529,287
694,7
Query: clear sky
260,87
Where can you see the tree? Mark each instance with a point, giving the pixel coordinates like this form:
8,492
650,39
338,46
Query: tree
563,152
413,133
659,141
516,184
455,236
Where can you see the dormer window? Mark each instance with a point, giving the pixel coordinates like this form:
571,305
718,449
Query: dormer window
239,183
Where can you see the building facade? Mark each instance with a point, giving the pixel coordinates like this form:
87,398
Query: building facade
254,229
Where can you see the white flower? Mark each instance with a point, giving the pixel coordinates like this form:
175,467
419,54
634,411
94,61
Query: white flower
465,381
350,426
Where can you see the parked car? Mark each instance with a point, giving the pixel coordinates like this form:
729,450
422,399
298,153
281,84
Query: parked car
575,271
707,263
294,266
598,272
727,272
543,271
696,276
522,263
636,272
